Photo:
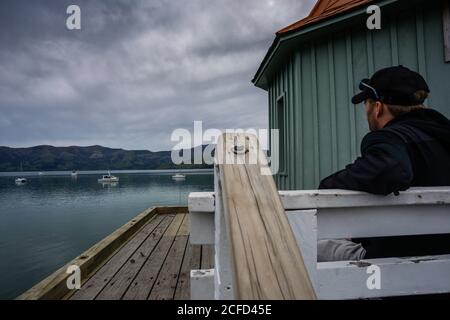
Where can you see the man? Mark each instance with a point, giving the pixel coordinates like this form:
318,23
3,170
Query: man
408,146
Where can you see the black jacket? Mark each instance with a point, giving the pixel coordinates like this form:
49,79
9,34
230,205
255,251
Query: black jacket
411,151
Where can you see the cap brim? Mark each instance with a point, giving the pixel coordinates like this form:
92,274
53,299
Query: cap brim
360,97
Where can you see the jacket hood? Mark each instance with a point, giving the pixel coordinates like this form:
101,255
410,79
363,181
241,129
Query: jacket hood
429,121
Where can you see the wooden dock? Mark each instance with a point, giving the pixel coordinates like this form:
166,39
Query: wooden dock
153,263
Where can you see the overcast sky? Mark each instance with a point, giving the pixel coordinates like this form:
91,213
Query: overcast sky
136,71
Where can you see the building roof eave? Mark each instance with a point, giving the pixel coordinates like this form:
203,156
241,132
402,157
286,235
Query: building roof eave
325,9
260,79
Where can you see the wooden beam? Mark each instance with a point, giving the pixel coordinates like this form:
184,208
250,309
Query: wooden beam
266,261
208,255
172,210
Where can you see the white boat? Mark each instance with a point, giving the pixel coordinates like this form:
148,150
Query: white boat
179,177
108,178
74,173
20,181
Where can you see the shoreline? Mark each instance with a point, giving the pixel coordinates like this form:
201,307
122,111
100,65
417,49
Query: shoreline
96,172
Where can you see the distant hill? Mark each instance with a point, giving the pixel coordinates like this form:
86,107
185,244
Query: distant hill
48,158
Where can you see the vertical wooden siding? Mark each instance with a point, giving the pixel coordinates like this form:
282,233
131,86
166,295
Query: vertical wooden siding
323,129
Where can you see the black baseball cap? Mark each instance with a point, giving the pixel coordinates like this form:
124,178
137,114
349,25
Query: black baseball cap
394,85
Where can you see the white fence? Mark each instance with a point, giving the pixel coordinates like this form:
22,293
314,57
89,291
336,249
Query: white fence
337,214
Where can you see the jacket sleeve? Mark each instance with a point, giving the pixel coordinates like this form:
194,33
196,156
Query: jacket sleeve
384,168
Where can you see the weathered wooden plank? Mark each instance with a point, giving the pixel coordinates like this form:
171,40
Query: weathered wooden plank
142,284
55,287
119,284
191,261
184,228
166,282
100,279
172,210
208,257
266,261
172,231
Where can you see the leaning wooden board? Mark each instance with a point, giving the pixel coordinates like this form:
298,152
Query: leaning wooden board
266,261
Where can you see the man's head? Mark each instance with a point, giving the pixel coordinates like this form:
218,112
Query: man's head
390,93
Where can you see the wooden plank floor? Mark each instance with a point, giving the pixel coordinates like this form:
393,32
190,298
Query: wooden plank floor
154,264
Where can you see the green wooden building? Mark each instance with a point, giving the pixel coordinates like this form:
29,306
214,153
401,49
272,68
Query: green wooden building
314,66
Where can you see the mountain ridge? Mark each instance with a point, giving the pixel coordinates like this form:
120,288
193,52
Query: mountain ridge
95,157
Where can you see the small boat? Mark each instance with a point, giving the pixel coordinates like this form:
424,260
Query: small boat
20,181
74,173
108,178
179,177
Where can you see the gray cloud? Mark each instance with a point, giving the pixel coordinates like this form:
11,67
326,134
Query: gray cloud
136,71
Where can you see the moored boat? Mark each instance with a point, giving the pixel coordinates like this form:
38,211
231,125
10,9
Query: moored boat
108,178
21,181
179,177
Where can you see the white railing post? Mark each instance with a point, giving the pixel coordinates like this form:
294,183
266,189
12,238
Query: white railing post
201,214
304,226
201,217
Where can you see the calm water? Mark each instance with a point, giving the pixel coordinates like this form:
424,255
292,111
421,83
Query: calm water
54,218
